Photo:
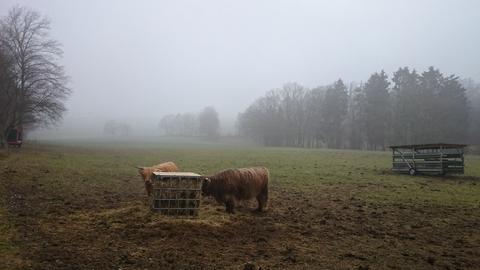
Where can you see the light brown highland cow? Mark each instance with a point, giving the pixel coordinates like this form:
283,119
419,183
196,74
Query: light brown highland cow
233,185
147,172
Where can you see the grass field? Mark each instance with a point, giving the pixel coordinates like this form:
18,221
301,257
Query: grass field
83,206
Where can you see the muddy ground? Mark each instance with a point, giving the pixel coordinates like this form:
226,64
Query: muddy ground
62,226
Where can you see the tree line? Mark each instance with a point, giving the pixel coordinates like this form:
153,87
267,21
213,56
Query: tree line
408,108
205,124
116,128
33,85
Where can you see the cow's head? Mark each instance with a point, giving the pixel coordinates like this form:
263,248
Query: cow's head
142,172
206,181
146,176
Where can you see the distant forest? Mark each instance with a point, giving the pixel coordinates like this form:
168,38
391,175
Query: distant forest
205,124
408,108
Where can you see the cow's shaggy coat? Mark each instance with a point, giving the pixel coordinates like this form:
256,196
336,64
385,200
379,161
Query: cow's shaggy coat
147,172
233,185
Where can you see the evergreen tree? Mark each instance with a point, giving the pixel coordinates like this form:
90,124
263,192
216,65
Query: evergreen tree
334,112
405,106
376,110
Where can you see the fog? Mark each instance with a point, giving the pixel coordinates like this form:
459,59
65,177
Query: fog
136,61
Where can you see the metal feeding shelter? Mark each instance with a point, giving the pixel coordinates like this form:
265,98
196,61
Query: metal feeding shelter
437,158
176,193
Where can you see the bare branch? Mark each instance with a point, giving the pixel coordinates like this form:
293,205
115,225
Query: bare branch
39,84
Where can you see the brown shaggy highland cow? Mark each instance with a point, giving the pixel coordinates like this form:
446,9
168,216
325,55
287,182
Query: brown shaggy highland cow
232,185
147,172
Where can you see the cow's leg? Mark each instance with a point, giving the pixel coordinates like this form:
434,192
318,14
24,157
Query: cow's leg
230,205
262,199
149,187
261,203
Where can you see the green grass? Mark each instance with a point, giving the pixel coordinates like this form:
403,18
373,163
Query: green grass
302,169
73,176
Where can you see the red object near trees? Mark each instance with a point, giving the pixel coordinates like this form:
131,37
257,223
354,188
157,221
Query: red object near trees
15,137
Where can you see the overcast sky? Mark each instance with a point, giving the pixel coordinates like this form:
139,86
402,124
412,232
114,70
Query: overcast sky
143,59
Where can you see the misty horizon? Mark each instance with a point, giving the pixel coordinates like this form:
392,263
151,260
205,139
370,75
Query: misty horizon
136,62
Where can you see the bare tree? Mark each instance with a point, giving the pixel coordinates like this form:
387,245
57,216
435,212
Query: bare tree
6,94
114,128
181,124
209,124
39,81
292,106
263,120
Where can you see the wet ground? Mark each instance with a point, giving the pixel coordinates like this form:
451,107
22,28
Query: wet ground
65,225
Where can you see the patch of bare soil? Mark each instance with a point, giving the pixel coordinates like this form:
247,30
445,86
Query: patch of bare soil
322,229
